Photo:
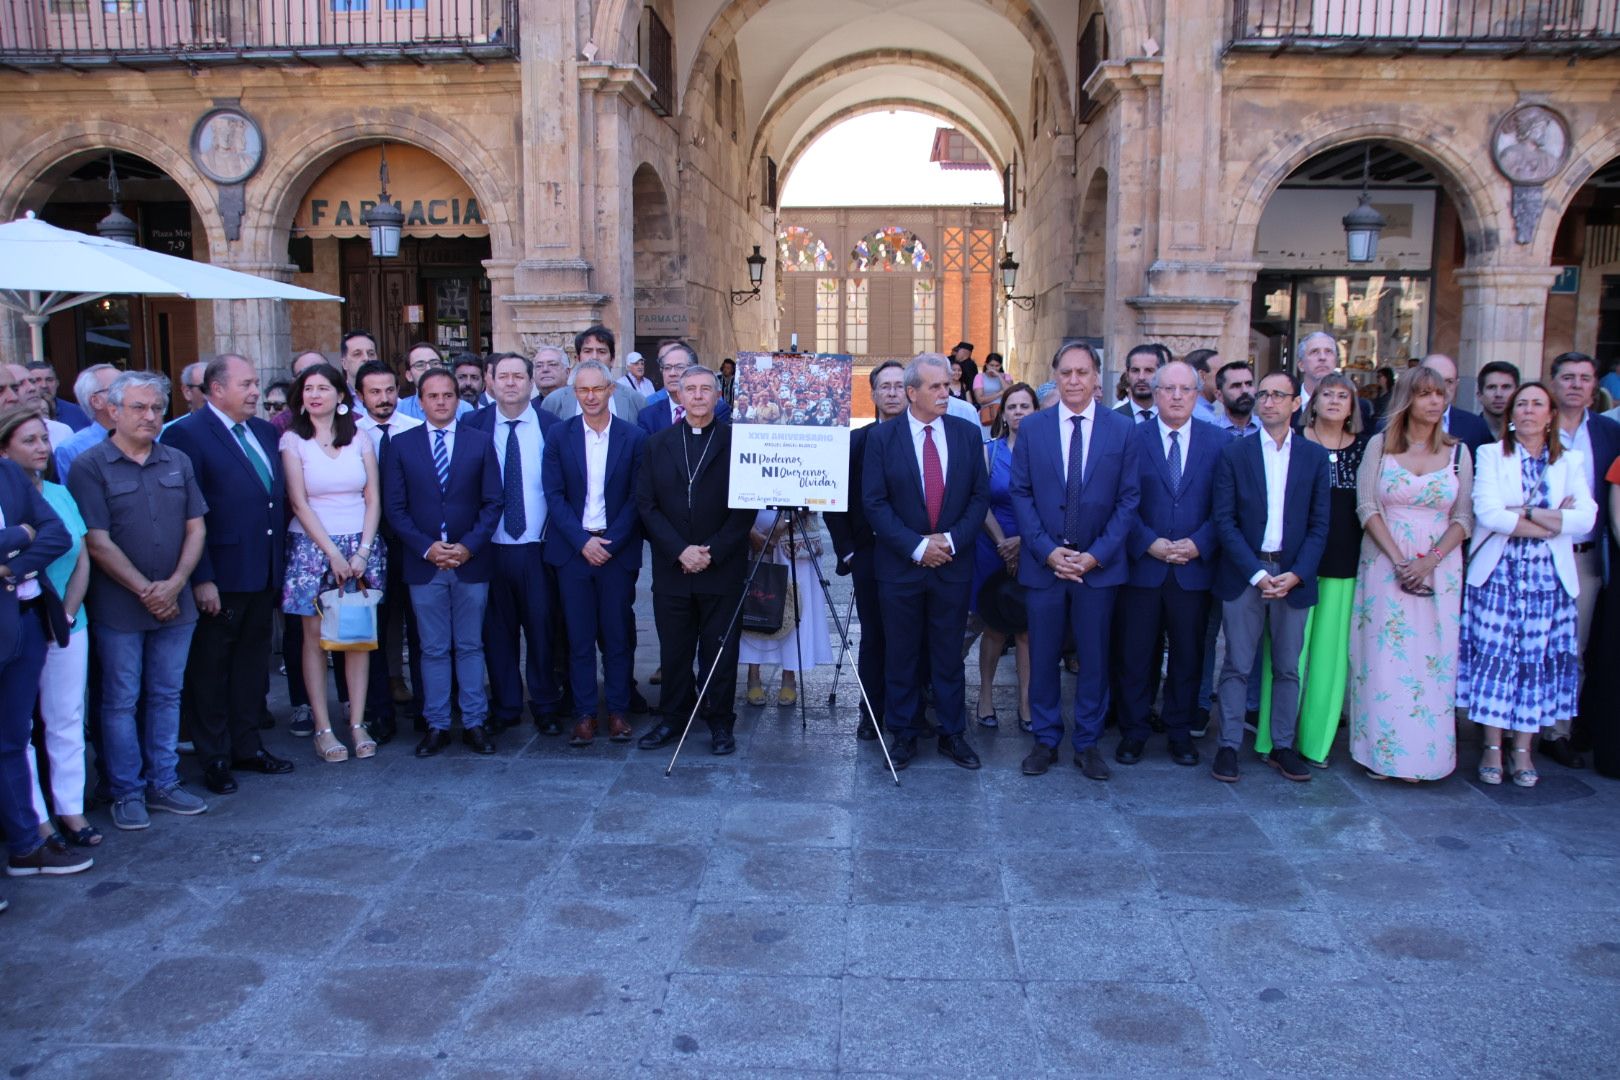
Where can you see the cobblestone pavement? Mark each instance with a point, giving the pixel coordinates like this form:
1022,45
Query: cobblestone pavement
788,910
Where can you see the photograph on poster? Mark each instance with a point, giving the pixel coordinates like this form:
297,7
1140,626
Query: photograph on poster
790,431
800,389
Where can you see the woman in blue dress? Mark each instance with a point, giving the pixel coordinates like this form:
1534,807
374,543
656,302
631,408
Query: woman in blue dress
997,549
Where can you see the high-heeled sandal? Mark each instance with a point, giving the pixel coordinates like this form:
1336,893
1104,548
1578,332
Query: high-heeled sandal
1525,777
1491,774
331,750
364,745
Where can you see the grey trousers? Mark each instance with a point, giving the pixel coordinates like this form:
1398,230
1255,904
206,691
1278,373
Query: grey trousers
1245,620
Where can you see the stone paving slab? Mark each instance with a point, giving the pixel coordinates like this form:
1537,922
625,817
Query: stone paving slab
788,911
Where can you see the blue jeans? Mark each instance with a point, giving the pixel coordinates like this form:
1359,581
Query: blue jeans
17,695
450,623
146,666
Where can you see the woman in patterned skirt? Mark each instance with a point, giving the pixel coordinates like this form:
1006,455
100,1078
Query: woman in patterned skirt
1521,667
1415,501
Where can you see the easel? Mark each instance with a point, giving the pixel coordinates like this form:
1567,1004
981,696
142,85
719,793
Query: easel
789,512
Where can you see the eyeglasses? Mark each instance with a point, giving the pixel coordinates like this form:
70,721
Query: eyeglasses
1273,395
194,386
273,406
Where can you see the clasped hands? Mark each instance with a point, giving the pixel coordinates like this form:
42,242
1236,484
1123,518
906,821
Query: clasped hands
938,551
694,558
1071,565
161,599
1175,552
1277,586
444,555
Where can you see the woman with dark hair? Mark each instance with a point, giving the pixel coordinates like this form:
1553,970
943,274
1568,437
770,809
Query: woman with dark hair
1519,660
961,385
997,548
25,441
336,503
1415,500
988,386
1386,389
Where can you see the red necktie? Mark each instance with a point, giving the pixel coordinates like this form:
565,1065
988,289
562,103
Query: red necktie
933,478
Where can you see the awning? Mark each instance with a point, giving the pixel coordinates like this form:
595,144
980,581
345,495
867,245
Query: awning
434,198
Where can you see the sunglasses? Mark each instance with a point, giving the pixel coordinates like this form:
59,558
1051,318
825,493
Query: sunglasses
273,406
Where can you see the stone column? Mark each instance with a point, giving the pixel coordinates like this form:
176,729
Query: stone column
260,330
1504,313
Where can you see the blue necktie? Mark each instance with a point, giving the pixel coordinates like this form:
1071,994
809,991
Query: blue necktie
1175,461
441,460
516,517
1071,493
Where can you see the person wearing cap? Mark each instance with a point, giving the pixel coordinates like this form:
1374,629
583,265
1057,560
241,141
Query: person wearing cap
635,375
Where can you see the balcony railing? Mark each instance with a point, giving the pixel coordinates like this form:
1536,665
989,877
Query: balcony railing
197,33
1428,25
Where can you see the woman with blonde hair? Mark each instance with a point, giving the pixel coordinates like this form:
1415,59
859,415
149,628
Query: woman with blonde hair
1415,500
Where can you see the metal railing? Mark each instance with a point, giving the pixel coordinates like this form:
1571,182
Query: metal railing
1440,24
197,32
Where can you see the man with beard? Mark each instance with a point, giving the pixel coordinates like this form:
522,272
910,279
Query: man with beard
469,372
1141,363
1235,384
1497,381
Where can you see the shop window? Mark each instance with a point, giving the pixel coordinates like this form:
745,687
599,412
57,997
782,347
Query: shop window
826,314
924,315
857,314
798,248
889,249
405,5
1378,319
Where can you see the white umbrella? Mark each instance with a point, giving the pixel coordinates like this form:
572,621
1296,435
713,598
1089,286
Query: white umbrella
44,269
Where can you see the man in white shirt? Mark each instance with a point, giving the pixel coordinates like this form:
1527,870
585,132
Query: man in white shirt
1141,364
520,596
635,375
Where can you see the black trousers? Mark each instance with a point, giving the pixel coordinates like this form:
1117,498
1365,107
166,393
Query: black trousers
694,626
1145,617
396,594
226,671
869,606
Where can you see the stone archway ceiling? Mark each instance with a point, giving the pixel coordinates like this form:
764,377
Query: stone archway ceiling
979,61
1342,166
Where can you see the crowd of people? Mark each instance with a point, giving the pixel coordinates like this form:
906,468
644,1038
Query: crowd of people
1378,569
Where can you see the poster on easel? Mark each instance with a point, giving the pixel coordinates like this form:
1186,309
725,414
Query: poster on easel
790,431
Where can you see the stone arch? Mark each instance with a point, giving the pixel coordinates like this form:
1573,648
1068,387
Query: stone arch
1594,150
1480,212
45,161
283,183
659,280
871,58
722,33
967,127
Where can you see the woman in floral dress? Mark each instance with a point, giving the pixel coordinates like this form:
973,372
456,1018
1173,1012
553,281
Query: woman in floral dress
1415,501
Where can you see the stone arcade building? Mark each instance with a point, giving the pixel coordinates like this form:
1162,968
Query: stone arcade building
1174,169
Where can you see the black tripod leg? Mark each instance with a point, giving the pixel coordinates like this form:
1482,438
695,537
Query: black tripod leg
855,670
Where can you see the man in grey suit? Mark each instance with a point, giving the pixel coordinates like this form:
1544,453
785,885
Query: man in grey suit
596,343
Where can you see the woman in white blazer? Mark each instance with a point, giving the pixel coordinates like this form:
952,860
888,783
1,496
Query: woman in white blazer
1519,665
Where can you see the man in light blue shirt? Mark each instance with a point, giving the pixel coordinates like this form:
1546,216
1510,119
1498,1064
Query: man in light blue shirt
1235,384
422,358
91,390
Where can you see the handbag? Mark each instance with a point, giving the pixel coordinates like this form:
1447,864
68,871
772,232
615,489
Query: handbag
349,618
765,607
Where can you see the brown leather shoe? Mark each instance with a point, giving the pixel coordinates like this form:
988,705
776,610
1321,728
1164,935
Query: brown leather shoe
584,732
619,729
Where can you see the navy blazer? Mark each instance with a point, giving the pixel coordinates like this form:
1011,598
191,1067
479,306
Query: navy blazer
655,417
1240,516
562,477
892,494
1605,435
247,527
850,531
71,415
1182,514
1109,493
23,504
486,419
469,506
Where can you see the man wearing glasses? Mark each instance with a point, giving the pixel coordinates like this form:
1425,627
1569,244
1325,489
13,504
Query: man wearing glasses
422,358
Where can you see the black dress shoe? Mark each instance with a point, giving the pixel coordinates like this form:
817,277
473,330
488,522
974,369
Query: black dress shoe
1562,752
661,735
263,761
383,729
479,738
1129,751
549,724
902,750
217,777
866,731
638,704
1184,753
1289,763
1225,768
433,742
1092,764
957,749
722,742
1039,760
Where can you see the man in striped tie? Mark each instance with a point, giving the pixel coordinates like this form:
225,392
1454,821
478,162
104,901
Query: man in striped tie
925,491
443,497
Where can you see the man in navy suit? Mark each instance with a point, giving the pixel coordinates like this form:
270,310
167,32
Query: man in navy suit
237,581
1467,428
665,408
1172,552
1271,520
853,542
1574,385
1074,489
593,539
442,496
31,538
522,596
925,492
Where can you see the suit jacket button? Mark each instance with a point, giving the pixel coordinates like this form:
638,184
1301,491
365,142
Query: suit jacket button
269,532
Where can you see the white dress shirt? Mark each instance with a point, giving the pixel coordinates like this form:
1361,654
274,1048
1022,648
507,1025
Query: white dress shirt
529,450
938,431
27,588
58,432
1066,416
252,439
1136,412
398,424
1185,433
1275,459
1581,439
449,440
596,458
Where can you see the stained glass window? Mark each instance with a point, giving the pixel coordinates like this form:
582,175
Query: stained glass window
797,248
891,248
